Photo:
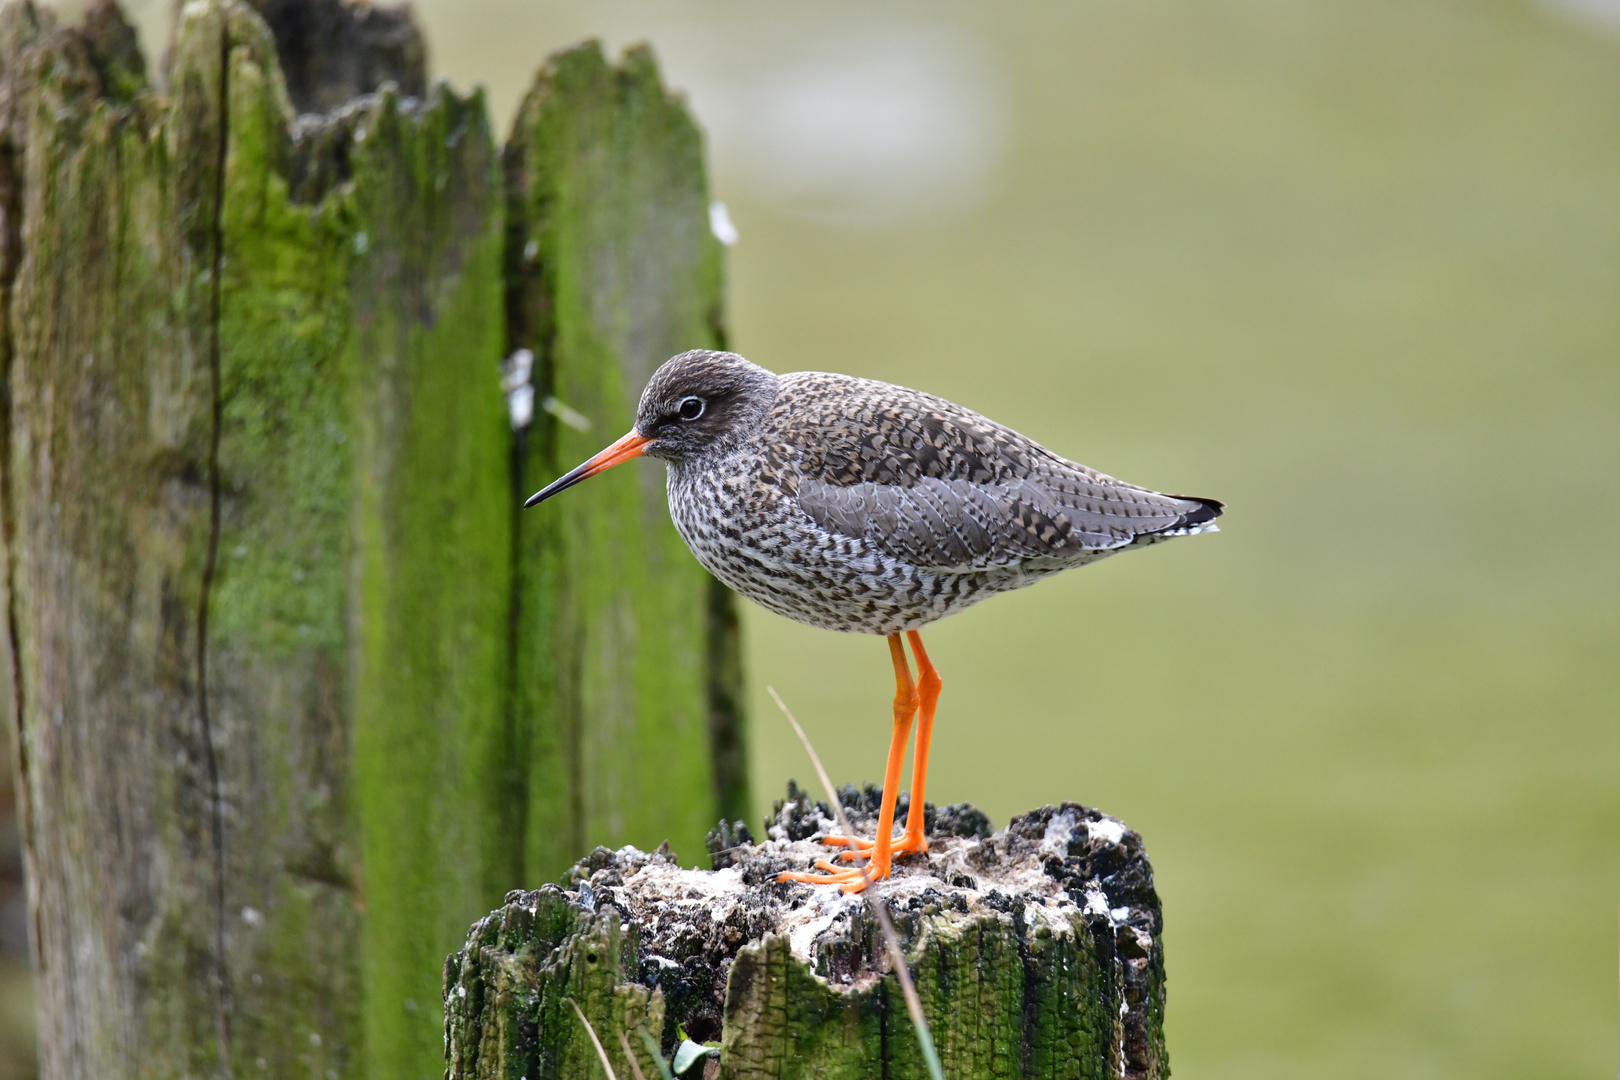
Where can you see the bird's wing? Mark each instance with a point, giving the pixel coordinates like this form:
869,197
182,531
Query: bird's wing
942,487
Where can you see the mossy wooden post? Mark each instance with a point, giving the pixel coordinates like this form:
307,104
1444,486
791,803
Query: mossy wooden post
612,268
108,525
260,508
260,547
364,528
1036,952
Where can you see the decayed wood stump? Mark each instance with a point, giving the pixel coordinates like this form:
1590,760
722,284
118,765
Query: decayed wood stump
1036,952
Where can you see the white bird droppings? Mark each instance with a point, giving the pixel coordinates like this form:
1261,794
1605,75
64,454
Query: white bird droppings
1107,830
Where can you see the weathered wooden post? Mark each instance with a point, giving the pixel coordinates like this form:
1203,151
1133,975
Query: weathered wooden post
611,269
1036,952
277,646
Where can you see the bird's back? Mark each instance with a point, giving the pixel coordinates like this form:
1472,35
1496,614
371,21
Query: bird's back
948,489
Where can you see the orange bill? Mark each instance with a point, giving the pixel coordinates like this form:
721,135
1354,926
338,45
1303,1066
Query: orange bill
631,446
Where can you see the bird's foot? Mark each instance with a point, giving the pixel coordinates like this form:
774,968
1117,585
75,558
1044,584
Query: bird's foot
858,847
847,879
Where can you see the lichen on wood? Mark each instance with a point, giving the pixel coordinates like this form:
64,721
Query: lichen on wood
1036,952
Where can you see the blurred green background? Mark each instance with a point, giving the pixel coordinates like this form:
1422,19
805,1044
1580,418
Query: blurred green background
1352,266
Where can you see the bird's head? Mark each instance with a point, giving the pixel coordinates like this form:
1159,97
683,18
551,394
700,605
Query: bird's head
697,404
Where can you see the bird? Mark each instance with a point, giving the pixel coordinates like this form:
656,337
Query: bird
860,506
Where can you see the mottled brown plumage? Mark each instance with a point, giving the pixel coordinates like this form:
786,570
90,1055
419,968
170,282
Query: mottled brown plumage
860,506
855,505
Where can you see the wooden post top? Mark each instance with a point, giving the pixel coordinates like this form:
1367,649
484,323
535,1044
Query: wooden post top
1036,950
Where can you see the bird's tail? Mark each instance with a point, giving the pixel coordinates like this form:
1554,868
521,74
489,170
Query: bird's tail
1200,519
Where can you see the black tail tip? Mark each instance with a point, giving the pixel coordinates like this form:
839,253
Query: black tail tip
1208,510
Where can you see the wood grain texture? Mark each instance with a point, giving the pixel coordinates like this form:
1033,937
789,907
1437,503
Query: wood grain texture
361,599
109,483
260,520
611,269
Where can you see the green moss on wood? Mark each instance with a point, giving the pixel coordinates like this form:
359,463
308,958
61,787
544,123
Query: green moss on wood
365,545
784,1021
612,269
351,377
510,990
280,611
434,524
1035,953
365,553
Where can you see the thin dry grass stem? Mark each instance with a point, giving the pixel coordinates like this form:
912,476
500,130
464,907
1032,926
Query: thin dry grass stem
821,772
897,958
601,1053
635,1066
936,1070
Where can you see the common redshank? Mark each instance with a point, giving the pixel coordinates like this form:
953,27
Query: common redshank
855,505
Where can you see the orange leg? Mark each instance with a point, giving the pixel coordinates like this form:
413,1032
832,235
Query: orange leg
928,686
905,706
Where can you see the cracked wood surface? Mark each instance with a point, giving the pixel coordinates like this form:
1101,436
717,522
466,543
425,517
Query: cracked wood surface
110,522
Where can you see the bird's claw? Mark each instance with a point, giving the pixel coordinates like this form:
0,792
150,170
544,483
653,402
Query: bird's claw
849,881
858,847
854,879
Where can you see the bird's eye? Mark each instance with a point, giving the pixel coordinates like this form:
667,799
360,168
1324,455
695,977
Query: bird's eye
691,408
